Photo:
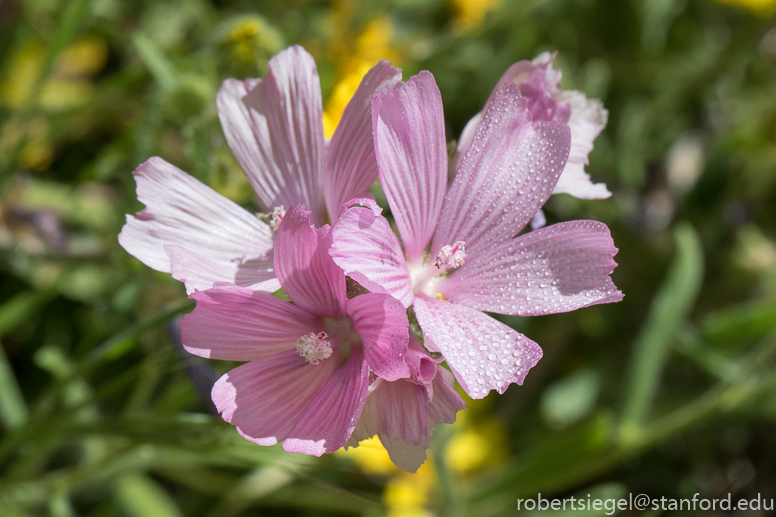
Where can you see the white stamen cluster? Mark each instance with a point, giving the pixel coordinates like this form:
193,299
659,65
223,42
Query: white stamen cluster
451,257
276,217
313,347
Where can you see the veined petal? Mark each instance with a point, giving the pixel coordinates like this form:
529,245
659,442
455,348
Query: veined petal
275,130
266,398
409,134
303,265
506,175
237,324
182,211
350,159
331,416
557,268
483,353
403,414
367,249
200,273
588,119
381,323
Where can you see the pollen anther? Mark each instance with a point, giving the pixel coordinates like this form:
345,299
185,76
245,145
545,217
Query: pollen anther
451,257
313,347
276,217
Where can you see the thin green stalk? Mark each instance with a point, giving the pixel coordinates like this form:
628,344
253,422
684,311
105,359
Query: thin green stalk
669,310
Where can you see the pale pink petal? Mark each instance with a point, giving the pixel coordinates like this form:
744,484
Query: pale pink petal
237,324
558,268
540,83
182,211
367,249
368,201
403,414
467,135
483,353
350,159
200,273
328,421
306,271
275,130
588,119
266,398
508,173
396,410
409,132
406,456
515,74
381,323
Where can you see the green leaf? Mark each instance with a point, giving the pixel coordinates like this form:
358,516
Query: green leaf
140,496
571,399
751,320
670,308
555,464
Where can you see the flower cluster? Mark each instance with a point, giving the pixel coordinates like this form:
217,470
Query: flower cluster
338,363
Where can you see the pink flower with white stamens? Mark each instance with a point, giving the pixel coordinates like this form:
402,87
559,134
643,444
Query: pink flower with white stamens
510,168
274,127
309,359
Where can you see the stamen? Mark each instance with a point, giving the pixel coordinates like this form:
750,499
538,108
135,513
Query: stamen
276,217
313,347
451,257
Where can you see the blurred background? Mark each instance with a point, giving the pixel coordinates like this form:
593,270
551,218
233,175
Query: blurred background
668,393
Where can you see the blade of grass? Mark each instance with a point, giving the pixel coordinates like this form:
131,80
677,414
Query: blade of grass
13,408
669,310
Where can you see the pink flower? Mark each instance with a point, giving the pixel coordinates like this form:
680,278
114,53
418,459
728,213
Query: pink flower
403,413
540,84
309,361
508,171
275,129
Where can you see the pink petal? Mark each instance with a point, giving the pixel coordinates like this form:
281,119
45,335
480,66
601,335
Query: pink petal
381,323
328,421
396,411
588,119
182,211
306,271
350,160
406,456
403,414
199,273
483,353
558,268
409,133
505,177
267,397
237,324
275,129
367,249
541,84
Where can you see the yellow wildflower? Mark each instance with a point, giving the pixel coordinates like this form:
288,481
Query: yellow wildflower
370,456
469,14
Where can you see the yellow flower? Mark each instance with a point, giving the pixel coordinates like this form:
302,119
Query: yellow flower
340,96
760,7
407,495
371,46
469,14
370,456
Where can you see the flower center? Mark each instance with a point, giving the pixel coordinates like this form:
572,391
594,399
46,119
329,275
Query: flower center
425,277
451,257
313,347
